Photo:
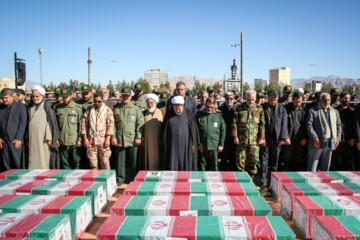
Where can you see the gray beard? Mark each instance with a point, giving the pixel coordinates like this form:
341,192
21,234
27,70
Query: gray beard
179,113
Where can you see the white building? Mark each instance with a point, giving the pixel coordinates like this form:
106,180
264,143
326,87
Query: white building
260,82
280,76
156,76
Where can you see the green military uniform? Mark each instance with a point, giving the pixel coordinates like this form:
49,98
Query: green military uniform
190,93
259,96
85,104
164,96
57,91
248,126
139,101
128,125
335,92
69,120
283,100
212,131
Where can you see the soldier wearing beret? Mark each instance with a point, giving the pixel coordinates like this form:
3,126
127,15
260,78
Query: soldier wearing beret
164,96
286,98
211,91
49,92
58,98
335,93
139,99
86,101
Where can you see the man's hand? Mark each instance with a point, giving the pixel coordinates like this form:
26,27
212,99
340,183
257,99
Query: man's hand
17,143
78,144
262,142
281,143
49,142
316,143
287,141
201,148
303,142
1,143
220,149
351,142
236,140
107,143
337,143
58,143
86,142
137,141
114,142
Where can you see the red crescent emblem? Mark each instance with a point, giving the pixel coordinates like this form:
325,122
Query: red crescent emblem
158,202
212,174
350,175
308,175
169,174
157,225
38,201
215,185
76,174
343,201
219,203
164,185
7,220
233,225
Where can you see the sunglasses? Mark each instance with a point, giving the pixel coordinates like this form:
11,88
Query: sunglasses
229,98
98,101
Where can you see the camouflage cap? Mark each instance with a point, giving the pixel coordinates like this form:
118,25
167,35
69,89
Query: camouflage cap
126,90
189,93
164,96
335,91
58,90
210,89
86,88
288,89
65,92
138,87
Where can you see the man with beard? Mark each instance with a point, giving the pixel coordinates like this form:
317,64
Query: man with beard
138,99
189,104
128,131
13,120
69,115
335,93
343,155
49,93
97,130
154,117
106,95
286,98
324,129
227,156
203,96
58,98
86,99
212,130
180,138
43,132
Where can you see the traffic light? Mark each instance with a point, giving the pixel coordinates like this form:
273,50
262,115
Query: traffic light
21,73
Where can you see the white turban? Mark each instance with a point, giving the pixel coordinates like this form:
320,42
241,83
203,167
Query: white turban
38,88
152,96
178,100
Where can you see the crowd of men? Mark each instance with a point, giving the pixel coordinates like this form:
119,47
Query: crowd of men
259,133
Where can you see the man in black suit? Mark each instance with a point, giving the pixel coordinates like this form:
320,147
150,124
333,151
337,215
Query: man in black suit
13,119
180,90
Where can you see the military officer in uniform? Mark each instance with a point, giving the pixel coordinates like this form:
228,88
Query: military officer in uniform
49,92
87,100
139,99
248,130
69,115
286,98
164,96
58,97
128,130
237,96
190,93
211,91
260,96
212,130
335,93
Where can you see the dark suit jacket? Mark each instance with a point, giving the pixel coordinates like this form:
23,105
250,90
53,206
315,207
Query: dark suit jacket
281,121
357,122
313,128
16,123
190,104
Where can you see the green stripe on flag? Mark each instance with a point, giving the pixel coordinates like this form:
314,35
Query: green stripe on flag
132,228
201,204
352,224
208,227
280,228
48,227
13,205
295,177
104,175
353,186
60,175
147,188
328,206
250,189
5,181
307,189
137,206
16,175
338,176
44,188
260,206
242,177
199,188
198,175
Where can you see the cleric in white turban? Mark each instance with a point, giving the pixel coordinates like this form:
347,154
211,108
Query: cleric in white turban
154,118
43,132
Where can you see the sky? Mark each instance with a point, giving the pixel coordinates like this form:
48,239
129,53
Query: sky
182,37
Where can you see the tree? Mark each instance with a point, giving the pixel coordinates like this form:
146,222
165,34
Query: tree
110,86
217,85
307,87
63,85
165,85
327,87
246,87
258,87
74,83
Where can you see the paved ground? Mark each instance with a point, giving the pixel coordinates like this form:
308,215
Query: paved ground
100,219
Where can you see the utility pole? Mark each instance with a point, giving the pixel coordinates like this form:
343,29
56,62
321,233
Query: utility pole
89,66
311,83
241,64
16,76
40,50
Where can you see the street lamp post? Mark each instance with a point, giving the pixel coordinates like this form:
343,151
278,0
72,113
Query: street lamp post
40,50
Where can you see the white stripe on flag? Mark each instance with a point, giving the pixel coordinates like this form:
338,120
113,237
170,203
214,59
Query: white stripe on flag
62,188
353,178
75,175
158,206
36,204
158,228
217,188
12,186
8,220
213,177
169,176
32,174
351,208
310,177
233,228
220,206
164,188
324,189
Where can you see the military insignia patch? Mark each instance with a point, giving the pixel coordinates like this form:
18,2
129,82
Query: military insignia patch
164,95
84,87
138,86
63,91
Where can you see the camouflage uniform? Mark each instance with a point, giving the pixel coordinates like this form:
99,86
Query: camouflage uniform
248,126
96,149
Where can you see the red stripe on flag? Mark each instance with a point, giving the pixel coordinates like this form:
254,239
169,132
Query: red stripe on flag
79,189
234,189
325,178
179,203
4,174
109,229
293,189
90,176
335,228
7,198
182,188
259,228
241,206
342,190
312,207
140,177
184,227
118,209
132,188
55,205
183,176
47,174
281,177
30,186
356,199
356,172
228,176
24,226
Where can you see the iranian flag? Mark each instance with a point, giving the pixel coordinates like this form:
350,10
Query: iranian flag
78,208
336,227
291,190
44,226
192,189
192,228
191,206
278,178
307,207
191,176
346,176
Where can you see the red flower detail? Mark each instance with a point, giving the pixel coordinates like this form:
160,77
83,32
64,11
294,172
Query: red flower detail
164,185
212,174
7,220
37,201
168,174
343,201
215,185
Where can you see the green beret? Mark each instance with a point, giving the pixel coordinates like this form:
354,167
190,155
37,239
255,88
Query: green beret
210,89
58,90
86,88
260,94
189,93
237,93
126,90
49,90
138,87
156,91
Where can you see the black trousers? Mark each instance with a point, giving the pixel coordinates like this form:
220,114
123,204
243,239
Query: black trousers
269,159
342,157
227,156
292,157
10,156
